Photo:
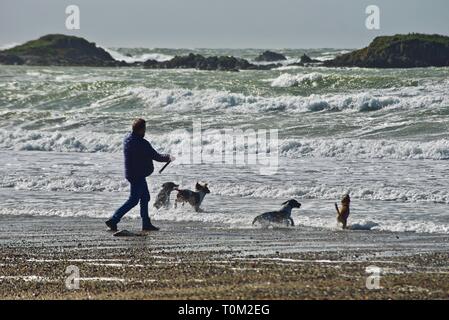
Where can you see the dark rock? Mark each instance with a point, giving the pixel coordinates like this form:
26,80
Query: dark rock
151,64
62,50
225,63
6,58
197,61
399,51
306,59
270,56
190,61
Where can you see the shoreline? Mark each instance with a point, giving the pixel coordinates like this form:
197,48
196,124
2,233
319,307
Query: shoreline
188,260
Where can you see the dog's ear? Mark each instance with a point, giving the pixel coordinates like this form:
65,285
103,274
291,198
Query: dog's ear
285,202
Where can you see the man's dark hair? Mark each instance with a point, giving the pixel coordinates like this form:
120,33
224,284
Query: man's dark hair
138,125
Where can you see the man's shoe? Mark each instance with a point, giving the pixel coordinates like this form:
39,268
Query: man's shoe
112,225
150,228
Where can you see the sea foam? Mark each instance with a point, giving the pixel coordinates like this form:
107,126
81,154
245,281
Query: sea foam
138,58
339,148
186,100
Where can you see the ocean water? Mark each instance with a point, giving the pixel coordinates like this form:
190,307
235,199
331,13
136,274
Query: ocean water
381,135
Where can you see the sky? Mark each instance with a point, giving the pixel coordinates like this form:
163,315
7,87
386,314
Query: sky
221,23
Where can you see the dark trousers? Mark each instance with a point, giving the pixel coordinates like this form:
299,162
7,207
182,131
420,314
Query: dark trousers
139,193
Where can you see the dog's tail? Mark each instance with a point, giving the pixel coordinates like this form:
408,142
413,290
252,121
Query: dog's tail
336,208
256,219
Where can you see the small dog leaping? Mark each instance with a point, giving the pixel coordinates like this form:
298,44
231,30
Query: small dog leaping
193,198
283,216
163,197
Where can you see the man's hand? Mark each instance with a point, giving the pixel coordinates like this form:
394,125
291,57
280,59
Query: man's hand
171,159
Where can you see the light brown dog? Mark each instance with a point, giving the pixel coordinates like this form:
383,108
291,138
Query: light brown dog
343,212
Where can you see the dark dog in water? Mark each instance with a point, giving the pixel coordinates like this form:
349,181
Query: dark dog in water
163,197
282,216
193,198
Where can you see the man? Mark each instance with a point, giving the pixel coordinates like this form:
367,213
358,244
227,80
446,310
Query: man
139,156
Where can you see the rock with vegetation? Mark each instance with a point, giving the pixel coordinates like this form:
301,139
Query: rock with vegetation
398,51
59,50
270,56
63,50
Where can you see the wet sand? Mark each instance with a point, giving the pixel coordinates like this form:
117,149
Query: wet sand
187,260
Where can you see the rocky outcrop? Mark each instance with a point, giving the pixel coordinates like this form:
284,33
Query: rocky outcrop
7,58
59,50
270,56
197,61
63,50
306,59
399,51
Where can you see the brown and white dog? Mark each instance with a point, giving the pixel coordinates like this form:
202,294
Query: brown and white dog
163,197
343,212
193,198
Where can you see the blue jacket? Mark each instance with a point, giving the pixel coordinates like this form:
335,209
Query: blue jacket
139,156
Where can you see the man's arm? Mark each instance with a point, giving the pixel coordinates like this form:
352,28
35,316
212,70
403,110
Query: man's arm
156,156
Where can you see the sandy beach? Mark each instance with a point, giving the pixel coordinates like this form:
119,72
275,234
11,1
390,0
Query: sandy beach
188,260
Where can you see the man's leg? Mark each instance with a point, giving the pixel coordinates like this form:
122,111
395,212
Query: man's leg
133,200
145,198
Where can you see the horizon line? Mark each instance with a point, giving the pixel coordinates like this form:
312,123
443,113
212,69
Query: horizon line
13,44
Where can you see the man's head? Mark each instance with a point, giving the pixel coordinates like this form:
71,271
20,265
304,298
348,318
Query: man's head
139,127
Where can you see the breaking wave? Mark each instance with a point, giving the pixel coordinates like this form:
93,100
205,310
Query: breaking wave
289,80
79,141
138,58
185,100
